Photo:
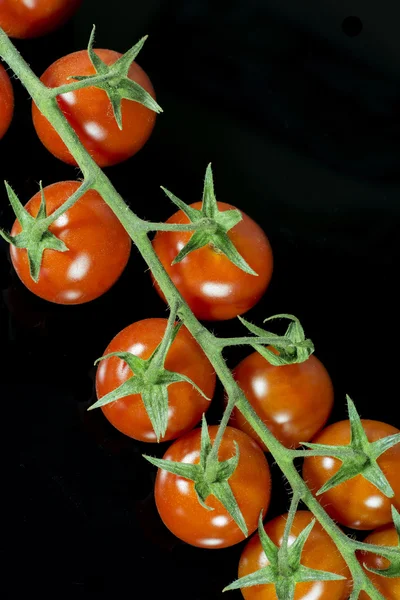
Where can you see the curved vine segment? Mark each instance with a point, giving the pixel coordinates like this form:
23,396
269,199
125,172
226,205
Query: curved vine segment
138,229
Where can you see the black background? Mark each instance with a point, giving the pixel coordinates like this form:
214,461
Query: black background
300,118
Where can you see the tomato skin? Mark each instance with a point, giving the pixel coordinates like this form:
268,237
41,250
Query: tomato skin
177,502
389,588
33,18
294,401
90,113
319,552
99,248
356,503
185,356
215,288
6,101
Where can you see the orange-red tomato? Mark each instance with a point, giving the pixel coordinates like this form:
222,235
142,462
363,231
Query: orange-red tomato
180,509
6,101
294,401
215,288
388,587
90,113
319,552
98,248
185,356
356,503
32,18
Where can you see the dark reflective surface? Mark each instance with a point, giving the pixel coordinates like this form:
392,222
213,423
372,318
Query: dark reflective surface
301,123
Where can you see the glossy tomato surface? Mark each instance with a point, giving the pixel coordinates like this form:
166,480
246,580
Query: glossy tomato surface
98,248
32,18
319,552
388,587
6,101
185,356
90,113
215,288
294,401
356,503
177,501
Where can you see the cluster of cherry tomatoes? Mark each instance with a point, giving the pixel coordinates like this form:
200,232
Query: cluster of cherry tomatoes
294,401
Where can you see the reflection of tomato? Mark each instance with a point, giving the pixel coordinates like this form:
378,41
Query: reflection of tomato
319,552
294,401
90,113
177,501
6,101
186,405
215,288
98,248
356,503
32,18
388,587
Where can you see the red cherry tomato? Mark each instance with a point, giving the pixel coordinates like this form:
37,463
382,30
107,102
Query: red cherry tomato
98,248
185,356
319,552
32,18
90,113
6,101
177,501
388,587
215,288
294,401
356,503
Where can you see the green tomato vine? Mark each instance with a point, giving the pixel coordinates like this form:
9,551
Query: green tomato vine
294,346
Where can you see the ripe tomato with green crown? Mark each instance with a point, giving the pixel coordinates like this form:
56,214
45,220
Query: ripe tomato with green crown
215,288
319,553
389,587
98,248
185,403
177,501
89,112
33,18
294,401
6,101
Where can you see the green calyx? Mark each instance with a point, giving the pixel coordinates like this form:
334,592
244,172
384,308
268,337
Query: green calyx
151,380
35,235
214,225
284,569
293,347
210,476
359,457
114,80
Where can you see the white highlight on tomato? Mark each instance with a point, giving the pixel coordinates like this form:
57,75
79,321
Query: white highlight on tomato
62,220
315,593
69,98
29,3
71,295
137,349
191,457
216,290
328,462
79,268
182,485
95,131
150,435
259,386
282,417
374,501
210,542
220,521
101,371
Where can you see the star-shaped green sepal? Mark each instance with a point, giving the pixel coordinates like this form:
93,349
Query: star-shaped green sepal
210,476
215,226
359,457
298,350
284,569
35,235
151,380
115,82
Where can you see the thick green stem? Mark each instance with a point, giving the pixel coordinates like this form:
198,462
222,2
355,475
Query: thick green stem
45,100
